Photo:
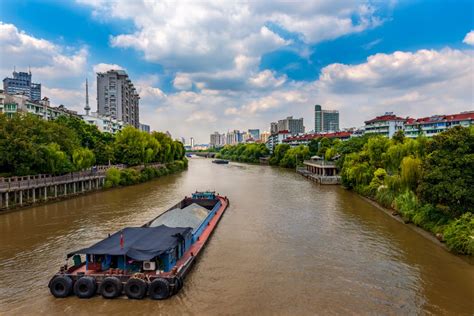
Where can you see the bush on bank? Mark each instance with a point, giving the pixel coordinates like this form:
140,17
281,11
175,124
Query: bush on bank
243,152
128,176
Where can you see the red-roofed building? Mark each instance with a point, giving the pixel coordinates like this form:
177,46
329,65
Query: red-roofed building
386,125
306,138
430,126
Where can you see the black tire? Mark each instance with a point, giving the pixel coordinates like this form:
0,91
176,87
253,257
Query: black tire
178,284
85,287
61,286
159,289
111,287
136,288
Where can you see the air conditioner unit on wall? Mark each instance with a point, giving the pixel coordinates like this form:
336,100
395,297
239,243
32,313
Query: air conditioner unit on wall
149,265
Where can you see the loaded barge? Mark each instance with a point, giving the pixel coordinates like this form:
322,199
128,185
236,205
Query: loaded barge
149,260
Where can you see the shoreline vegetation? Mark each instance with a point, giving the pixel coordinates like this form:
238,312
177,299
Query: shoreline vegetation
30,146
426,181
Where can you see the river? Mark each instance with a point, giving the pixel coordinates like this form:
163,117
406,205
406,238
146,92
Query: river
284,246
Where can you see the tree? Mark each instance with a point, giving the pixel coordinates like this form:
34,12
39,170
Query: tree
410,172
278,153
83,158
448,171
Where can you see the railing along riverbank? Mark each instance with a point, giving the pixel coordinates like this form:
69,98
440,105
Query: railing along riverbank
27,190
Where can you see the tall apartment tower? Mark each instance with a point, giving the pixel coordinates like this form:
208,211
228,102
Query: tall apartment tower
325,120
294,126
117,97
21,84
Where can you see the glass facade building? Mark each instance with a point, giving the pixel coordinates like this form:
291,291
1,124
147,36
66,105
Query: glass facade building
325,120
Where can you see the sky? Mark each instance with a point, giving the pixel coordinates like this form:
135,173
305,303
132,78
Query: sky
205,66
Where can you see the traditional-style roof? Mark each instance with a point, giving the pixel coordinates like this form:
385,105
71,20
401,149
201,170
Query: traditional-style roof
386,117
308,137
442,118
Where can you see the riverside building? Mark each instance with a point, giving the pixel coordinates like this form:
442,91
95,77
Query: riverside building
385,125
12,104
433,125
117,97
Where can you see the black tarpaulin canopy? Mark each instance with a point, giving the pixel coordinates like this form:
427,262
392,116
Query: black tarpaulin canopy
139,243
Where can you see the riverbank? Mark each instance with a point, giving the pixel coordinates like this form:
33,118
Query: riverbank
40,190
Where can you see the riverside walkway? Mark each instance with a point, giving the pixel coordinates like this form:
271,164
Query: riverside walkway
27,190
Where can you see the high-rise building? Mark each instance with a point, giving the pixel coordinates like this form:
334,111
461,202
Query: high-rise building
192,142
273,128
293,126
234,137
254,133
21,84
117,97
217,140
264,137
325,120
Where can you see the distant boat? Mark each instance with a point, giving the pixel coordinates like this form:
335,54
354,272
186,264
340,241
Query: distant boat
152,259
220,161
189,155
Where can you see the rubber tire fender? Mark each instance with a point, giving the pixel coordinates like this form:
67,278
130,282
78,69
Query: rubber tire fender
136,288
178,284
111,287
61,286
85,287
159,289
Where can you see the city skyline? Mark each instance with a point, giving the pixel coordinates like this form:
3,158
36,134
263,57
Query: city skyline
357,61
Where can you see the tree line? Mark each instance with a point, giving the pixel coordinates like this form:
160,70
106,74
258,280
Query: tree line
30,145
427,181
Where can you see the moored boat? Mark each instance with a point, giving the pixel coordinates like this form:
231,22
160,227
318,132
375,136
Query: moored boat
220,161
149,260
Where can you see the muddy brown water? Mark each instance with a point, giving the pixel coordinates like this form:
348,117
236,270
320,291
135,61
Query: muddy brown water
284,246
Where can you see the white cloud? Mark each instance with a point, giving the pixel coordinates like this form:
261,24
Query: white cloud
469,38
182,81
266,78
47,60
208,35
103,67
201,116
399,70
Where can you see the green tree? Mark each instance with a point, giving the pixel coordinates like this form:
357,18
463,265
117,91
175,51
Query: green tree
448,171
83,158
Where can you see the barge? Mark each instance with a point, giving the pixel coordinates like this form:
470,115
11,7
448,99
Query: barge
149,260
220,161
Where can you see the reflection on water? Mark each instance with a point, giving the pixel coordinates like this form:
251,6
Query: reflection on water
284,246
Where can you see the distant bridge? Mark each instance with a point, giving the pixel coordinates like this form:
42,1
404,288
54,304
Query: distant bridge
204,154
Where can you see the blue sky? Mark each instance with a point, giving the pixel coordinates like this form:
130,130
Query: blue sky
206,67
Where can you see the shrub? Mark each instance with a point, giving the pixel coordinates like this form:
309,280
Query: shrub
112,178
129,176
459,234
407,205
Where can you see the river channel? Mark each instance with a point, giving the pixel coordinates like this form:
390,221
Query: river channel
284,246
